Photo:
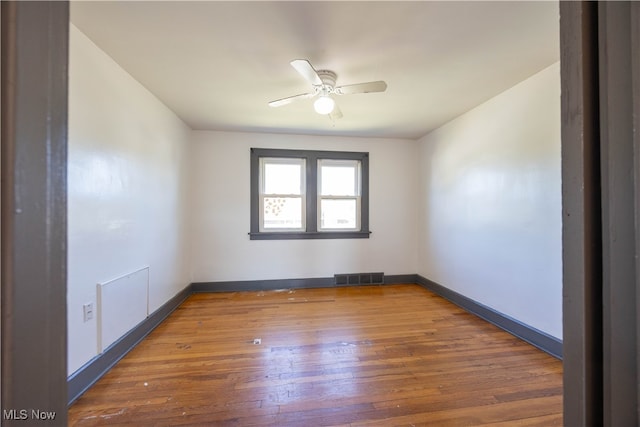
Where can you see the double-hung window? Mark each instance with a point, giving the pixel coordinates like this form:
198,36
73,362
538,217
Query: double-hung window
302,194
339,198
282,194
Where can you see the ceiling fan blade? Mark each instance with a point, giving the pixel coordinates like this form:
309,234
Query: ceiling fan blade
305,69
290,99
336,113
378,86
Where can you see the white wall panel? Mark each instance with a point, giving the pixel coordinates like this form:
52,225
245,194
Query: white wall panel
122,304
490,215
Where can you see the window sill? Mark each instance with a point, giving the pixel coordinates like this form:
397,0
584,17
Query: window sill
289,235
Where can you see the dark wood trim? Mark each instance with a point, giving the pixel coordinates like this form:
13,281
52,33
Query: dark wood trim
276,284
302,235
619,168
312,157
93,370
34,233
635,74
396,279
263,285
601,176
533,336
581,221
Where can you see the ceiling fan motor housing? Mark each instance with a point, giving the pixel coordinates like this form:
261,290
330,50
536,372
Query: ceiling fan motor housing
328,78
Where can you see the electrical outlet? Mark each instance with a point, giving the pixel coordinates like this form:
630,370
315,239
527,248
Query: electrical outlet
88,311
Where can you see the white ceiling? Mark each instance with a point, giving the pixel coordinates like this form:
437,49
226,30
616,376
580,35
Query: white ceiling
218,64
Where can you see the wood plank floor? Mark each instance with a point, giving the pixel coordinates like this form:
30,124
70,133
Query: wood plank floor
357,356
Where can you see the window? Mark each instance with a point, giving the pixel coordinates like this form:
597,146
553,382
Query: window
338,194
282,194
300,194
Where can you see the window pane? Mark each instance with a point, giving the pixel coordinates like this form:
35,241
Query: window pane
282,212
283,177
340,214
339,178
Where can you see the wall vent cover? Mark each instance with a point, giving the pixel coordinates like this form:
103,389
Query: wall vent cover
359,279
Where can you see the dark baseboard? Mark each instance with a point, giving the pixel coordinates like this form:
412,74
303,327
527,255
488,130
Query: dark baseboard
533,336
262,285
396,279
271,285
93,370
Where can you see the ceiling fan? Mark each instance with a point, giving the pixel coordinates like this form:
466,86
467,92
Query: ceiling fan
324,86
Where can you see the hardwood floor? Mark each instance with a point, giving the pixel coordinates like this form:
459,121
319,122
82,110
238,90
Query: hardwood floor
359,356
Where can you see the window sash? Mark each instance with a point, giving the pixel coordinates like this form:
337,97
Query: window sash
264,226
354,165
353,194
263,195
358,214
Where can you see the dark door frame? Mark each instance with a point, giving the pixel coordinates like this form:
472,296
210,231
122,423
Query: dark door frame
581,218
620,182
34,213
600,75
600,79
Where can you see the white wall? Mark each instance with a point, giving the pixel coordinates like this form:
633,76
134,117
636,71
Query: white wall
220,213
126,188
490,218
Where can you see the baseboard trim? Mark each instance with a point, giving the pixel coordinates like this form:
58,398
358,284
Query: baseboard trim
271,285
93,370
396,279
533,336
262,285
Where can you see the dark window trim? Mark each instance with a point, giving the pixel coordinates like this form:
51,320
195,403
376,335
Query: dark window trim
312,158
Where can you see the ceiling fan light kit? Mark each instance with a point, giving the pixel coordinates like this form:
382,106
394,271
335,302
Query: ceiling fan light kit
324,104
324,86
